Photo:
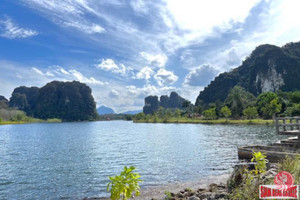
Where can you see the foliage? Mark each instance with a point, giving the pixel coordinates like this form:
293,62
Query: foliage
250,112
123,185
248,186
292,111
271,109
261,162
210,114
177,113
168,195
226,112
291,165
238,99
139,116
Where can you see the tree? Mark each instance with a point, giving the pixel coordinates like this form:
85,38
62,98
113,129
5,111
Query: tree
292,111
226,112
210,114
250,112
271,109
238,99
177,113
263,100
161,112
140,116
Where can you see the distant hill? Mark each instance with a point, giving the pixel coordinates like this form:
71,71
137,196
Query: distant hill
152,103
268,68
133,112
69,101
103,110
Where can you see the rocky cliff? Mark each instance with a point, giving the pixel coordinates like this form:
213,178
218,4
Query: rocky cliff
268,68
152,103
69,101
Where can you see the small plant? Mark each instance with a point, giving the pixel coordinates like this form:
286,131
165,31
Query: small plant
261,162
168,195
122,186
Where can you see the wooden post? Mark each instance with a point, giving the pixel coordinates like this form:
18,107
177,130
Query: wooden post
277,125
291,121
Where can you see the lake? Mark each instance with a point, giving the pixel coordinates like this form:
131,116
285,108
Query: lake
74,160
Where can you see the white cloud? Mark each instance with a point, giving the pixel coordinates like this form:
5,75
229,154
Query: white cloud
110,65
165,77
145,73
68,14
113,94
201,76
195,15
158,60
9,29
89,29
58,73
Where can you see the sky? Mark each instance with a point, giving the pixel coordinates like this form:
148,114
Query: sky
126,50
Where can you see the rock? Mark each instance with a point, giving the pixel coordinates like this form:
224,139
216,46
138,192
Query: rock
212,196
204,195
201,190
193,198
182,195
213,187
221,195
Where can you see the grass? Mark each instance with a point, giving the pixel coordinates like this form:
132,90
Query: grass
185,120
30,120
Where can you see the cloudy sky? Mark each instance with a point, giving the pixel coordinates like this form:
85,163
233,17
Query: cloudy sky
128,49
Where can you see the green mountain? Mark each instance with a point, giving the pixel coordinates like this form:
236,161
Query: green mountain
69,101
152,103
268,68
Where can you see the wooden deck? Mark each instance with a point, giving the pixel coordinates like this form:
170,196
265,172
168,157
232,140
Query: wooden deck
289,126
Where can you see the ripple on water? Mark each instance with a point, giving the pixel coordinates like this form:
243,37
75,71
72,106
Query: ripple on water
74,160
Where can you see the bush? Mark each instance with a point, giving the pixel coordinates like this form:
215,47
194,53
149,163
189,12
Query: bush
250,112
122,186
226,112
210,114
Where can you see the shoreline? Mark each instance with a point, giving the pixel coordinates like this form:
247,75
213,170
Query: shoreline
158,191
201,121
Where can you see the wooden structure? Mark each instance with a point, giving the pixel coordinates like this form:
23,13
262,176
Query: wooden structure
289,126
274,153
278,150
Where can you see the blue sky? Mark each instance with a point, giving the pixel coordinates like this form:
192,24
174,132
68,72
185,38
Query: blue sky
126,50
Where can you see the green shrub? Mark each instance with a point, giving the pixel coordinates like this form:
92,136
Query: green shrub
248,186
250,112
210,114
122,186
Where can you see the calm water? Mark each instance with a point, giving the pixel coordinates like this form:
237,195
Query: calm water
73,160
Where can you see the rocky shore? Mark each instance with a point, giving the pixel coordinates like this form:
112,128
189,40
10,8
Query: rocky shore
213,187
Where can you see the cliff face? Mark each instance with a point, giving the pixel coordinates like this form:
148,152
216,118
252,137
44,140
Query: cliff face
3,102
268,68
152,103
69,101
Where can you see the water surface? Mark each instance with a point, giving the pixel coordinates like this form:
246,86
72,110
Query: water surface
73,160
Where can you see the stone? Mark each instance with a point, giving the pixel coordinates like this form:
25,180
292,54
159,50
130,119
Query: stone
193,198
